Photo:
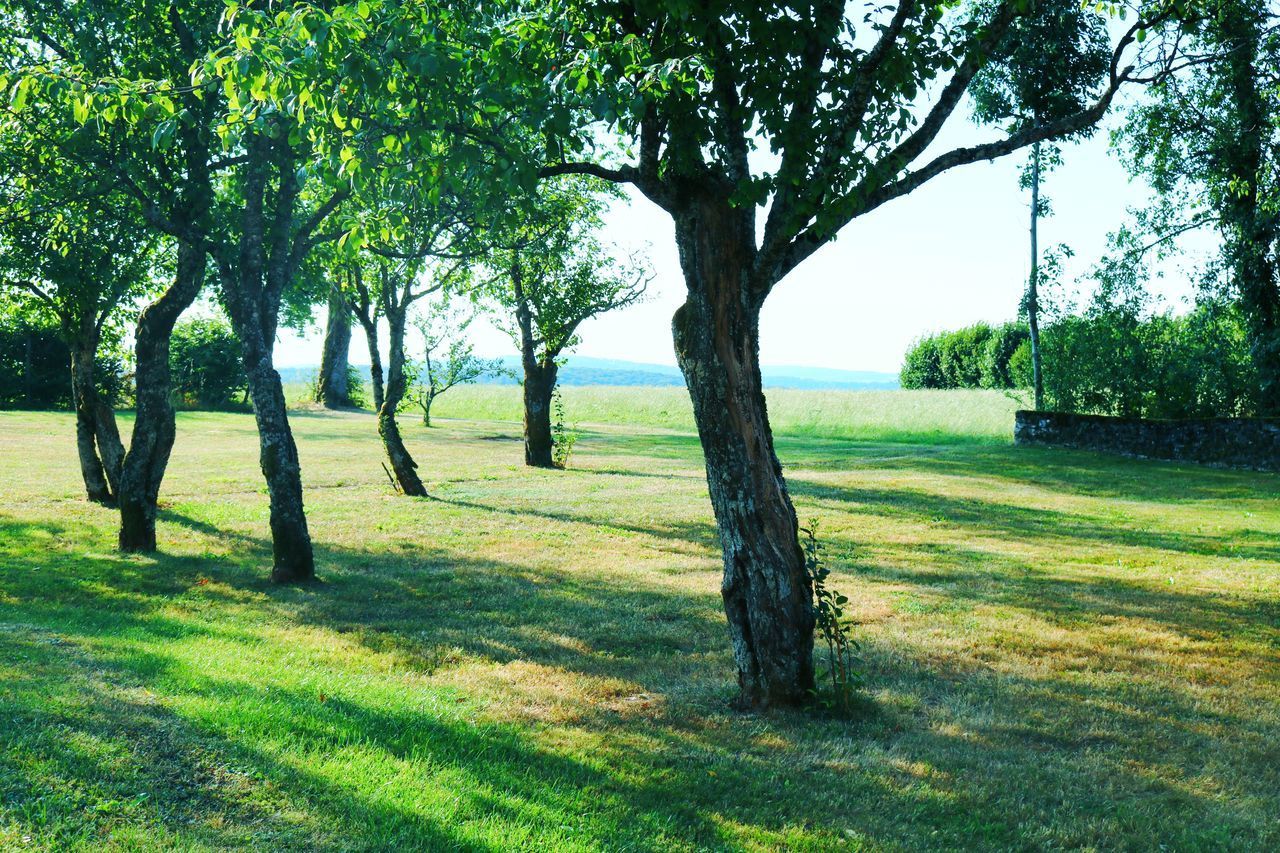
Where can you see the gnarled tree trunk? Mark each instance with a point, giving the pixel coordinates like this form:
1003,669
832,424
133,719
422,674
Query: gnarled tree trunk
539,381
292,561
1253,228
402,463
153,428
768,596
331,389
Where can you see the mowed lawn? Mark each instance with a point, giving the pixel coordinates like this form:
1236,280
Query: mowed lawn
1062,650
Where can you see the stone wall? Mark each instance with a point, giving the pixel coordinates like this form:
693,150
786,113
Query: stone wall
1252,443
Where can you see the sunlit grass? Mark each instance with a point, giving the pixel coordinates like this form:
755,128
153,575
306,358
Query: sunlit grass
1064,650
935,416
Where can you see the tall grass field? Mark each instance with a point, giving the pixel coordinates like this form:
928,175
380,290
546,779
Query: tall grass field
1061,650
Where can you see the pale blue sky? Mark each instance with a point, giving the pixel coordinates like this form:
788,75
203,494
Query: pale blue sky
952,253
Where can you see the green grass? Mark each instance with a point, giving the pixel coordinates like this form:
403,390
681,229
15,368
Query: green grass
934,416
1063,650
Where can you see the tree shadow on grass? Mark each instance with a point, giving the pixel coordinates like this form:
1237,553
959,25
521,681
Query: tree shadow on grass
1078,472
971,577
958,758
698,533
1037,524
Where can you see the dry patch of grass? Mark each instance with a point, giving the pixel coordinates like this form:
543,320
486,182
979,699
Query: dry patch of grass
1063,650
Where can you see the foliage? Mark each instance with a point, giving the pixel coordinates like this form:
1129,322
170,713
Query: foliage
1208,141
1050,64
35,365
357,395
563,436
206,364
978,356
550,272
448,355
1117,359
833,627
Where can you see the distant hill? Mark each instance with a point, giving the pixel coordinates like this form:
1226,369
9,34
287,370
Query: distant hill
582,370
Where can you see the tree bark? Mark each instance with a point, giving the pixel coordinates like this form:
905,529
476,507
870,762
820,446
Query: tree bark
292,561
82,390
1033,283
768,596
97,435
402,463
539,380
370,328
153,428
332,388
539,385
254,275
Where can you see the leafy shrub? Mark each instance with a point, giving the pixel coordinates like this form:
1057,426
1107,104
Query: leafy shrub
35,366
1113,360
563,437
976,356
206,364
922,367
357,394
961,355
833,628
997,361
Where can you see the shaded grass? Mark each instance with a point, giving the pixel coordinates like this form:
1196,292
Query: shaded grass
1064,650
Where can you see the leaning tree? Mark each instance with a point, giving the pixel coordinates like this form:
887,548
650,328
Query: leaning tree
551,274
416,243
847,106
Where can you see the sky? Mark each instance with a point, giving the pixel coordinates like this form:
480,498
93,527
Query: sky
952,253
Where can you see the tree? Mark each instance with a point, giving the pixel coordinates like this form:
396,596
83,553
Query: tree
331,387
849,105
553,276
448,356
132,123
1049,65
78,252
1208,139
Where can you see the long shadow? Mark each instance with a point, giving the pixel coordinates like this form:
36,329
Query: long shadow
698,533
1034,523
1078,472
972,577
677,775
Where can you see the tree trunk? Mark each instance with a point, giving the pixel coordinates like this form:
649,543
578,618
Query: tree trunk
1253,230
539,380
1033,283
331,389
427,399
153,428
539,385
402,463
97,436
768,596
292,561
375,363
82,391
